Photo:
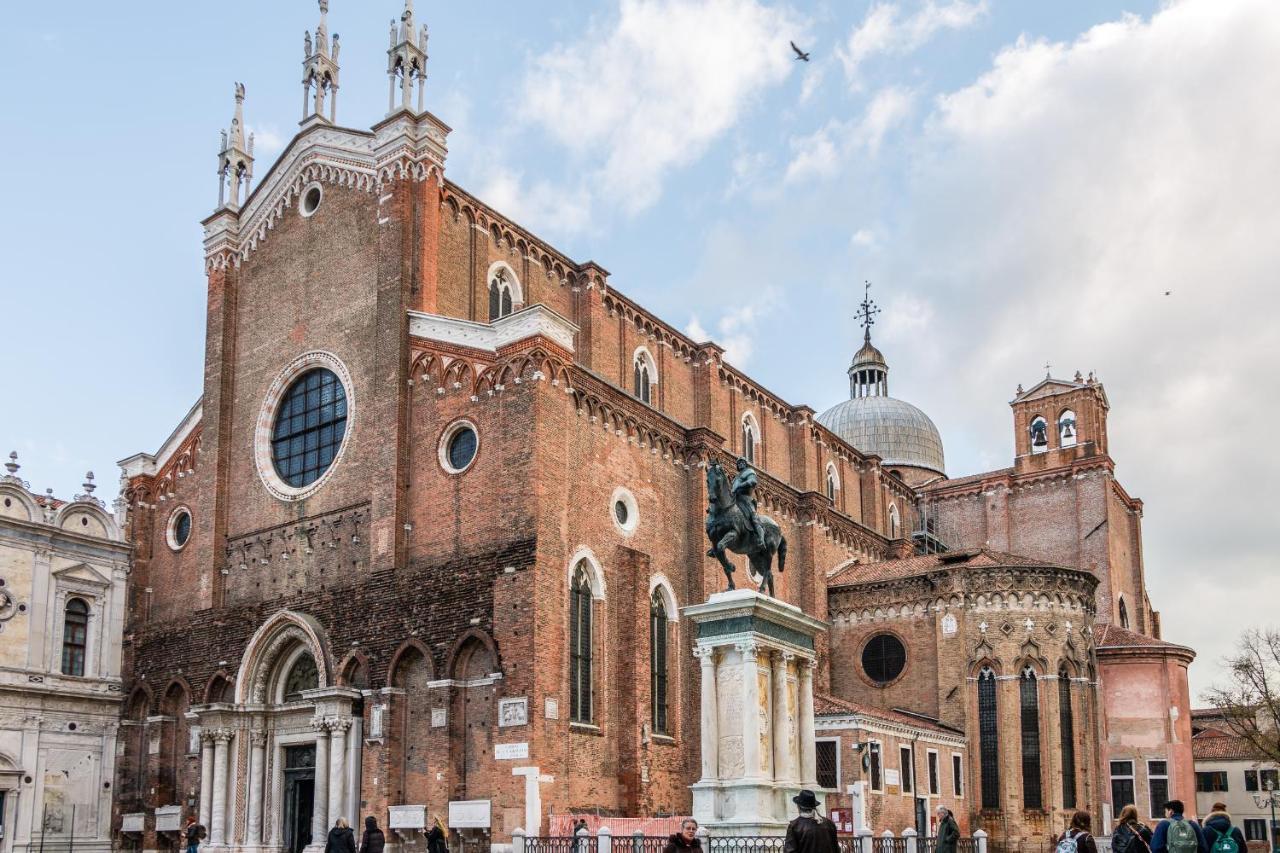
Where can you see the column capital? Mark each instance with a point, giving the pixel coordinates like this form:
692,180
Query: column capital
706,654
788,657
320,726
258,738
748,649
338,725
222,735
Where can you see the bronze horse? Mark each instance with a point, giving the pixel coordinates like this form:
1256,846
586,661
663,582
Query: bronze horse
729,530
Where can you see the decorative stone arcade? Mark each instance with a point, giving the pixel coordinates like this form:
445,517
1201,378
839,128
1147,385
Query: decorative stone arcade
757,656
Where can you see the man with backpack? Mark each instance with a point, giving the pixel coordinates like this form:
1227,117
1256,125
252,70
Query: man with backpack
1176,834
1220,835
194,834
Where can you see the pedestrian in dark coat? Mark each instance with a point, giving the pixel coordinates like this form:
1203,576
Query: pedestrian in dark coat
341,838
810,832
373,841
1218,824
437,837
1131,835
686,840
1081,832
948,832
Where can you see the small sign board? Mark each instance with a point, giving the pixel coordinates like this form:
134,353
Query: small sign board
469,814
168,818
891,777
407,817
510,751
133,822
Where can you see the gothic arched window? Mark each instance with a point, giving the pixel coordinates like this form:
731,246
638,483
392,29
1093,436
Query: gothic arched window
1029,702
75,636
1039,434
644,375
832,483
1067,429
895,522
501,298
580,710
749,438
658,662
1124,614
302,676
988,741
1067,731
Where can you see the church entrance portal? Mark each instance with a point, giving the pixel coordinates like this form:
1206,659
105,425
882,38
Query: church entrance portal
299,796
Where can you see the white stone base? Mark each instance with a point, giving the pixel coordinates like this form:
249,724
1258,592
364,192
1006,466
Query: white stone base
745,807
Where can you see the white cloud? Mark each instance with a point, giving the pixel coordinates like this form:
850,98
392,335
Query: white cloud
884,30
267,139
824,152
652,90
541,202
738,328
864,238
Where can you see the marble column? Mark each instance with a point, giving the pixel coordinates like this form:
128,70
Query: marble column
710,715
337,766
784,739
750,710
206,779
218,829
257,763
320,799
808,746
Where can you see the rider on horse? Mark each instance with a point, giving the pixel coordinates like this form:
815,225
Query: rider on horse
744,489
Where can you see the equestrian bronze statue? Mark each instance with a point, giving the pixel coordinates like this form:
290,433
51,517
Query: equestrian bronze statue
733,525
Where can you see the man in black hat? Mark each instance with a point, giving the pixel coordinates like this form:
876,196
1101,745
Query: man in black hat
810,832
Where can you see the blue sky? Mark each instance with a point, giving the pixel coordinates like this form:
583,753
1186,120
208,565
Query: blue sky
1020,181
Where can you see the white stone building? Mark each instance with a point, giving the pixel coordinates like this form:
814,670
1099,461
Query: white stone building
63,566
1230,771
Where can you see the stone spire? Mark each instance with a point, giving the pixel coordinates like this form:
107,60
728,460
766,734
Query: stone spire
235,160
406,60
320,70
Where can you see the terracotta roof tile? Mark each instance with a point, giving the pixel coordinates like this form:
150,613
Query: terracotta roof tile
965,481
830,706
1220,747
1113,636
859,573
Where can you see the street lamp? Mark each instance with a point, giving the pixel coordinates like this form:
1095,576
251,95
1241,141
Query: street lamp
1263,802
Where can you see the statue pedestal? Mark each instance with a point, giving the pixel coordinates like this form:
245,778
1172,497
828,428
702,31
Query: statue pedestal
757,656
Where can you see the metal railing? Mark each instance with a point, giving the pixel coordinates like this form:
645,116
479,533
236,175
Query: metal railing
605,841
560,844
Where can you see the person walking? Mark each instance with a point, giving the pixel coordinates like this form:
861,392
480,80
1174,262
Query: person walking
1219,834
373,840
195,834
1078,837
810,832
1131,835
437,836
341,839
685,840
1176,834
948,832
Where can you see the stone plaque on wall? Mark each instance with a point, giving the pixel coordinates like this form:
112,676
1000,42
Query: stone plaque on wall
551,708
407,817
376,713
469,814
439,718
513,712
510,751
193,740
949,626
168,818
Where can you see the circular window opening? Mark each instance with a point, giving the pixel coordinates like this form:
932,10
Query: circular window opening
84,521
71,726
179,528
626,514
883,658
311,199
620,512
8,502
458,449
310,424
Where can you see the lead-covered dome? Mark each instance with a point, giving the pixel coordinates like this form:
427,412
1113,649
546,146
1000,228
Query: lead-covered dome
874,422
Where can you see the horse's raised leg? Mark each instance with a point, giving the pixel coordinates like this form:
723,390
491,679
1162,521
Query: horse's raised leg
720,549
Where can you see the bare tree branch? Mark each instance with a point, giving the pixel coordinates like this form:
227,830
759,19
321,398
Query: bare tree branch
1250,703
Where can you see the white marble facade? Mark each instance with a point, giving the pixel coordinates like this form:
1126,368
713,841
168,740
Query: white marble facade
757,661
63,571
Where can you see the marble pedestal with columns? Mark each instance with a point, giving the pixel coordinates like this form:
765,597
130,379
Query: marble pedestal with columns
757,659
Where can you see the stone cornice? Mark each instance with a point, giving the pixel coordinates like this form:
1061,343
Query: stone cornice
536,320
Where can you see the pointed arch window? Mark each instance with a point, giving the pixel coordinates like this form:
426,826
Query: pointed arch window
1067,732
1029,701
895,522
580,710
644,375
501,301
988,741
658,663
749,438
1067,429
75,636
831,485
1124,614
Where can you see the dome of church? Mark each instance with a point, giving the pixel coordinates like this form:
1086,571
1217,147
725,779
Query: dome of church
894,430
874,422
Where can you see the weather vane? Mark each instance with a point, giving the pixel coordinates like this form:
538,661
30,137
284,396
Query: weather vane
868,313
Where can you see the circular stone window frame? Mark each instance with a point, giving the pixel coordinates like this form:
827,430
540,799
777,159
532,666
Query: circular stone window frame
623,495
447,436
265,427
171,528
302,199
906,658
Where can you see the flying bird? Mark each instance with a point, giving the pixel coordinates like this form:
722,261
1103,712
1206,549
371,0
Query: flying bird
1168,292
800,54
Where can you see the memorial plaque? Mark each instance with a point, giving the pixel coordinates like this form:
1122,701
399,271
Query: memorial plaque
469,814
439,718
510,751
168,818
513,712
407,817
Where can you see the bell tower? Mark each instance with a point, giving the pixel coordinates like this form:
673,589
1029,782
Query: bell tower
320,71
235,160
1058,420
406,61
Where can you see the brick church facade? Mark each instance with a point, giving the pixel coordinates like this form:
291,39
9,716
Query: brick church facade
426,535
